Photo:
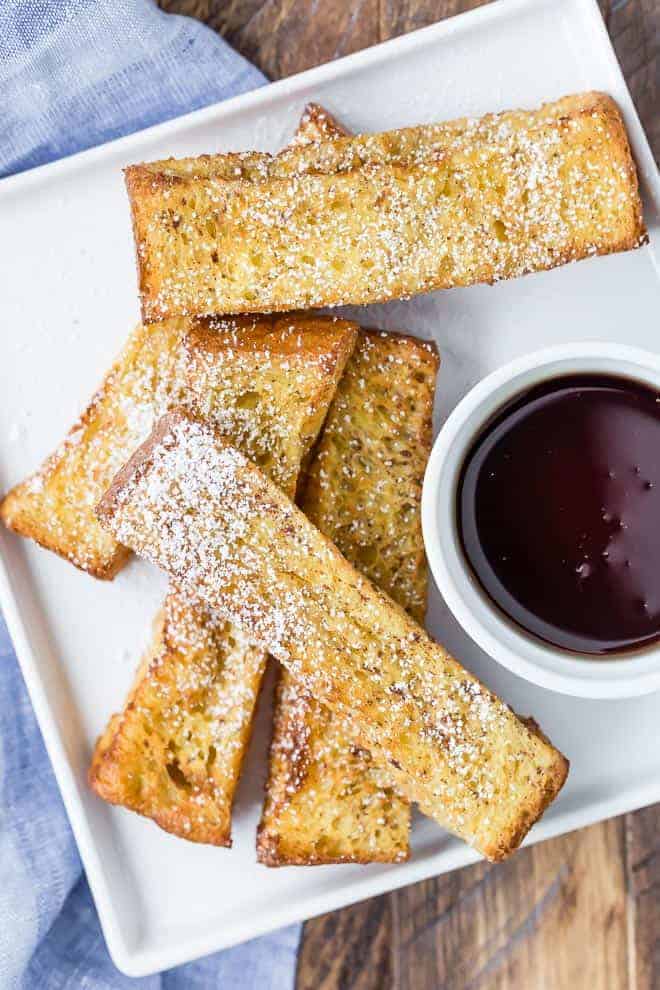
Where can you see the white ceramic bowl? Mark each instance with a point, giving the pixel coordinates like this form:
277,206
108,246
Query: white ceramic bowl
623,676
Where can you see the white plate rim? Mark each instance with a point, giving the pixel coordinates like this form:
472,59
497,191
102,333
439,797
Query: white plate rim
146,960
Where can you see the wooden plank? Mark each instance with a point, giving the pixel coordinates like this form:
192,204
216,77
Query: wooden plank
643,878
634,27
353,949
400,16
287,36
553,916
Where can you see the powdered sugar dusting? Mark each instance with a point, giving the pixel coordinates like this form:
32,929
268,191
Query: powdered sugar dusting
259,380
201,511
372,218
326,797
177,748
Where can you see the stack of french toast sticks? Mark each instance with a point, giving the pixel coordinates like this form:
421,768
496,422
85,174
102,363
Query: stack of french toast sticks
272,465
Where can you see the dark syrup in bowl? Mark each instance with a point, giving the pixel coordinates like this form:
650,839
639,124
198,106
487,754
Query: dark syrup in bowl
559,513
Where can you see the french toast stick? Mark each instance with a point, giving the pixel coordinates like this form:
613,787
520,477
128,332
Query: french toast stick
159,367
376,217
205,514
174,754
327,801
55,505
176,751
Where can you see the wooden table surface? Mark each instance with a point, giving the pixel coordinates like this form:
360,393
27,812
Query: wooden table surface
581,912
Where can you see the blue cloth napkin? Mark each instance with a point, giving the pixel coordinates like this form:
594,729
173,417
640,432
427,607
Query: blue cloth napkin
74,73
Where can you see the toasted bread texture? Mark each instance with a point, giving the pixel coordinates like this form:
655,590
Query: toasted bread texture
371,218
55,506
175,752
172,363
327,800
203,512
316,124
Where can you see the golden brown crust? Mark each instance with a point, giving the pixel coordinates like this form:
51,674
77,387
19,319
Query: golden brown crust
19,522
161,365
200,510
189,648
317,124
137,187
176,751
373,218
300,824
325,827
55,506
327,801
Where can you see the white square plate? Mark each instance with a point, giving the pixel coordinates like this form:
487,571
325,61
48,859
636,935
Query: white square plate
68,301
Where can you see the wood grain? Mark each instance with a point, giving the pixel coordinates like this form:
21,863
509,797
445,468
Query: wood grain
552,917
352,949
581,912
524,925
634,27
642,834
401,16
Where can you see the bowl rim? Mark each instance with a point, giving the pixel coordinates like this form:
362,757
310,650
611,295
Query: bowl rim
630,675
